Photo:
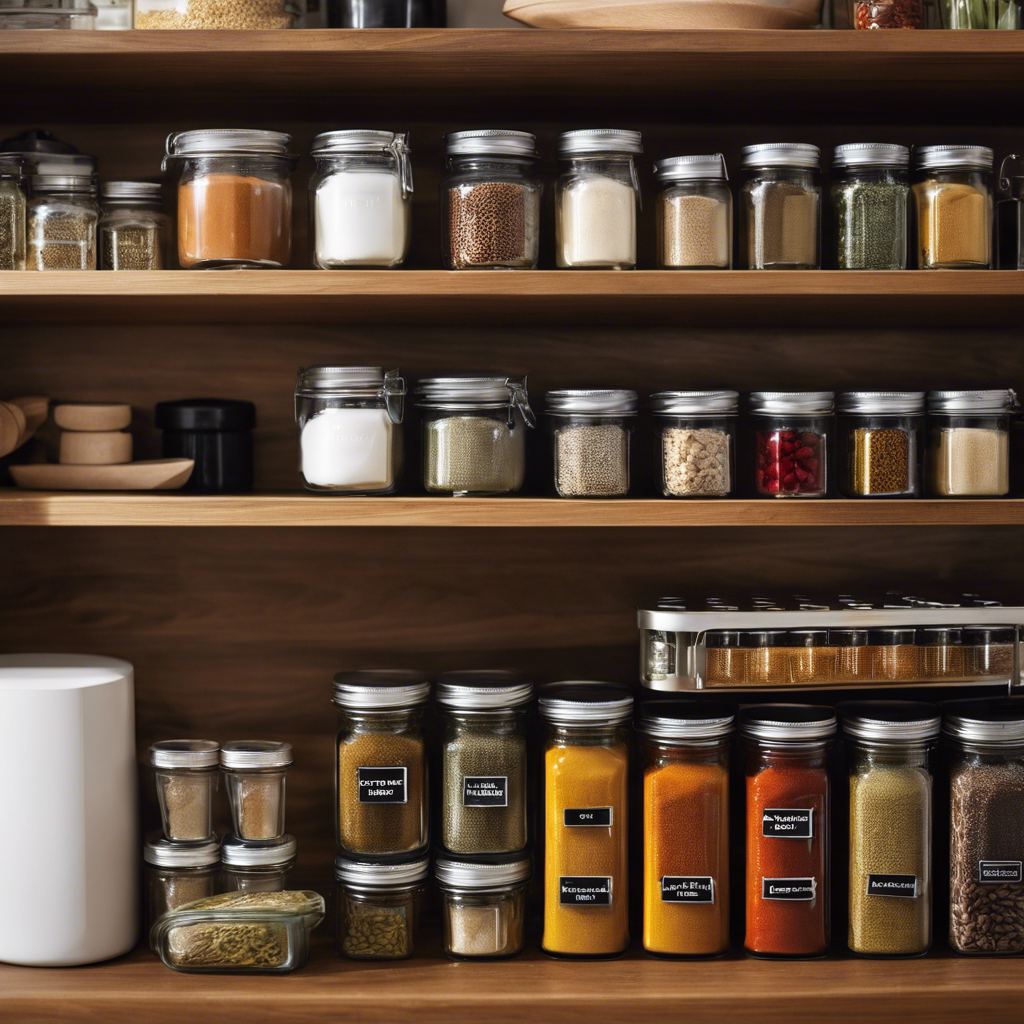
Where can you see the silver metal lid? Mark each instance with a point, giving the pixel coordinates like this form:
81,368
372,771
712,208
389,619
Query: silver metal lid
788,723
984,721
242,754
273,853
165,854
380,690
695,403
871,154
578,702
380,875
470,391
185,754
354,382
908,402
360,140
596,403
931,158
599,140
483,690
1002,400
63,183
687,720
461,874
227,141
491,142
140,191
894,721
782,403
781,154
709,166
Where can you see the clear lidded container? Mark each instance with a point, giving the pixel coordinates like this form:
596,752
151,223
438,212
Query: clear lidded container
254,774
256,867
988,652
186,778
696,442
591,433
880,443
811,657
350,424
13,209
178,873
360,199
854,655
969,443
597,199
940,652
134,233
253,15
791,442
727,658
693,213
61,223
896,658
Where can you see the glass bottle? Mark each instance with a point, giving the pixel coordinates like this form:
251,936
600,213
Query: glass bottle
969,443
134,234
62,220
178,873
880,443
186,778
791,442
696,442
256,867
13,208
694,213
254,774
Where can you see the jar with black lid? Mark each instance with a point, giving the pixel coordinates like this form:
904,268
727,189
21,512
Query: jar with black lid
895,655
811,657
726,658
854,656
880,443
217,434
387,13
792,434
988,652
697,442
941,652
768,660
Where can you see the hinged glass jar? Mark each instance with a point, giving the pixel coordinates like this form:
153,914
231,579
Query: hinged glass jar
792,431
890,830
381,773
484,786
586,859
257,867
870,193
254,773
694,213
350,422
378,907
134,234
880,443
474,434
178,873
62,219
12,214
234,198
215,14
483,906
781,226
597,199
969,443
686,826
953,198
490,201
985,757
186,779
360,199
591,431
697,442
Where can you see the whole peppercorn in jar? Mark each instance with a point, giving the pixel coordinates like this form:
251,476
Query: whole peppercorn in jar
791,442
134,234
888,14
880,443
697,449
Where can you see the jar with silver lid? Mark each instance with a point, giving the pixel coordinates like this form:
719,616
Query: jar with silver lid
134,233
694,213
781,226
474,434
254,772
186,778
350,424
792,431
483,906
880,443
696,442
969,443
597,199
256,867
178,873
591,431
62,219
360,197
955,212
12,213
491,201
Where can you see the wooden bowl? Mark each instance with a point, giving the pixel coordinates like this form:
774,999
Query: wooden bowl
659,15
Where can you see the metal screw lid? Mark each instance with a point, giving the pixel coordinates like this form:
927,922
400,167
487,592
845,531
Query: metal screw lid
984,721
483,690
931,158
486,873
45,183
142,191
599,140
907,402
1000,400
585,703
356,140
232,141
788,723
782,403
688,720
380,689
372,874
781,154
707,167
491,142
272,853
890,720
241,754
164,854
593,402
694,403
185,754
871,154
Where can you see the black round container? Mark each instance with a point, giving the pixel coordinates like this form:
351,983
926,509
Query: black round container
387,13
217,433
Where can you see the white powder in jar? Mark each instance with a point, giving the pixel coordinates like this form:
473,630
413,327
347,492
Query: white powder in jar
360,220
597,224
349,450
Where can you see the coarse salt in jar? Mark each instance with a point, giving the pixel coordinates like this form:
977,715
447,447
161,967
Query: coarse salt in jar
694,213
697,449
791,442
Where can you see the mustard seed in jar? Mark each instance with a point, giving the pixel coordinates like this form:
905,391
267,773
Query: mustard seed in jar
726,658
811,658
895,655
769,659
854,657
942,653
988,652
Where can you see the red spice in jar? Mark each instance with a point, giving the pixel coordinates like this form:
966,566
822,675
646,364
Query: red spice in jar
790,462
888,14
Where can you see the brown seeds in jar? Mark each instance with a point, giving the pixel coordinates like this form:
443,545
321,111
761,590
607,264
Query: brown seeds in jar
492,224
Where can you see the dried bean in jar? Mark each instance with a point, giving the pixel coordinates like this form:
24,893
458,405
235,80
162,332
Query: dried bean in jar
790,463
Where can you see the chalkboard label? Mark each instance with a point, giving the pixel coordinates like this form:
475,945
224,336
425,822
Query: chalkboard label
575,817
485,791
585,891
787,888
687,889
787,823
893,885
992,872
382,785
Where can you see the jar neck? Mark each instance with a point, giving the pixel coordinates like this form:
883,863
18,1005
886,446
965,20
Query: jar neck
491,164
143,206
370,892
910,754
694,752
589,735
771,753
383,718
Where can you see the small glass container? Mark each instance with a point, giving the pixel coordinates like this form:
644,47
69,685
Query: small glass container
896,655
114,15
768,660
854,655
483,906
988,652
178,873
726,658
597,199
781,201
378,907
215,14
48,14
484,784
791,442
941,652
360,197
490,201
256,867
186,779
591,431
62,219
880,443
134,234
694,213
350,423
955,213
13,207
234,197
381,789
880,14
254,773
811,657
474,434
697,442
969,443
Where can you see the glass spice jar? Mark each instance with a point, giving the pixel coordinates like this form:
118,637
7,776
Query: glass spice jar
256,867
48,14
697,442
768,660
186,779
726,658
254,15
178,873
880,443
969,443
896,657
1004,15
791,442
811,657
694,213
13,207
877,14
134,233
254,774
591,432
62,219
988,652
941,652
854,655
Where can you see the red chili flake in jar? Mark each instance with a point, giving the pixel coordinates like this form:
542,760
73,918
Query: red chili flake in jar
791,442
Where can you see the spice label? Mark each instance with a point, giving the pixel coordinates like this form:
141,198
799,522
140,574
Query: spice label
680,889
787,888
992,872
574,817
585,891
787,823
893,885
485,791
382,785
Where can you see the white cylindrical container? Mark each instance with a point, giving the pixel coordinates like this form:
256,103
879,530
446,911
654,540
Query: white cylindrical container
68,810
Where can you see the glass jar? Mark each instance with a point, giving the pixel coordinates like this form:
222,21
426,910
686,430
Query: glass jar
694,213
953,199
350,423
597,199
988,652
490,201
381,788
880,446
214,14
178,873
586,859
234,197
360,199
896,657
875,14
890,834
781,227
985,756
62,219
257,867
12,214
686,826
484,787
788,799
969,443
591,431
768,657
114,15
474,434
254,773
378,907
940,652
134,234
387,13
697,442
1003,14
483,906
34,14
186,779
870,193
811,657
854,655
792,438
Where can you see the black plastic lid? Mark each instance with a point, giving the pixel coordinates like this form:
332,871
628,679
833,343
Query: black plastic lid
848,637
939,636
723,638
891,636
206,414
976,636
807,638
765,638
